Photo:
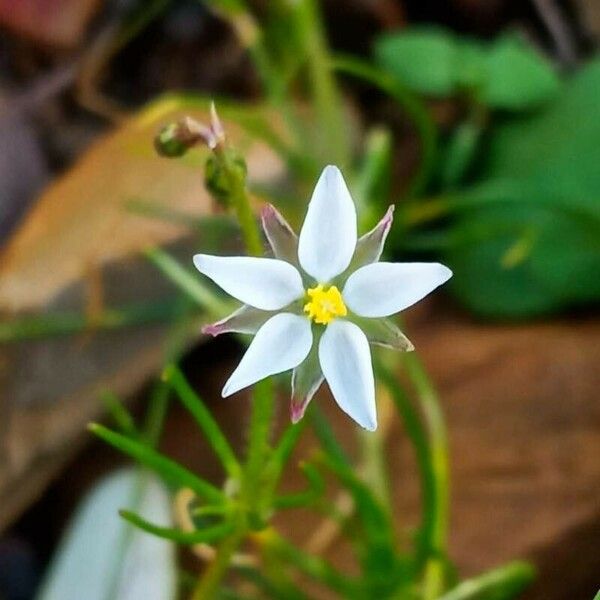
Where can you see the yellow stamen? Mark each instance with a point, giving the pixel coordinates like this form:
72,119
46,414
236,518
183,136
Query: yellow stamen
324,305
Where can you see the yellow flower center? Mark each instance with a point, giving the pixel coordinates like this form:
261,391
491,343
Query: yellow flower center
324,305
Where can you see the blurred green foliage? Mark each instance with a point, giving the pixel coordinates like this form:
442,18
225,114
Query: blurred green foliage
518,193
504,74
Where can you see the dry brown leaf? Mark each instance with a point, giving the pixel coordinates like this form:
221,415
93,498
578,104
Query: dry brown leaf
82,221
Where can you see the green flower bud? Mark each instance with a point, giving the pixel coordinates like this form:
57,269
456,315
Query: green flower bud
221,171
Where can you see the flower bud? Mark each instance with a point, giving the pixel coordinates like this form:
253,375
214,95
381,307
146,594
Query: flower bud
175,139
218,175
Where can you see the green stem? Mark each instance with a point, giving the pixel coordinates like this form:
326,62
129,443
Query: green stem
327,101
374,467
156,414
258,440
208,584
240,199
434,577
411,104
418,436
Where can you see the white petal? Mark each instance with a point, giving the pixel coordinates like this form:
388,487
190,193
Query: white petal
382,289
328,236
345,359
282,343
265,283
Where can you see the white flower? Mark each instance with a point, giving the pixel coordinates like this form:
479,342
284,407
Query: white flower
301,320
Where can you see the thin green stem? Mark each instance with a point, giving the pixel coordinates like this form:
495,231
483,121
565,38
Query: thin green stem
240,199
156,413
187,282
326,98
419,439
258,440
208,584
411,104
435,568
373,463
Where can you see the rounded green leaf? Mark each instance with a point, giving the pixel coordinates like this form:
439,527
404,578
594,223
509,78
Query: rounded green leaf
518,78
422,59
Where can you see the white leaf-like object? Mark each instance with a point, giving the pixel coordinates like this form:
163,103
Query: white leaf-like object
101,556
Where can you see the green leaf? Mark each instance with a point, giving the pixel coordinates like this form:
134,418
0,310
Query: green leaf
204,419
552,143
518,77
412,106
187,281
119,413
382,569
316,487
503,583
461,151
331,447
101,556
172,472
206,535
424,59
507,74
282,452
416,431
539,195
314,567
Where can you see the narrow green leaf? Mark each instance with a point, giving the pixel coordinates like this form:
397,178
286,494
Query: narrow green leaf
269,588
327,439
207,535
187,281
203,418
372,189
315,567
377,546
418,436
285,447
316,487
411,104
121,416
503,583
171,471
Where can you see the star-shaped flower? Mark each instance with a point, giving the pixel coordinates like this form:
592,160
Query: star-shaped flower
317,305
